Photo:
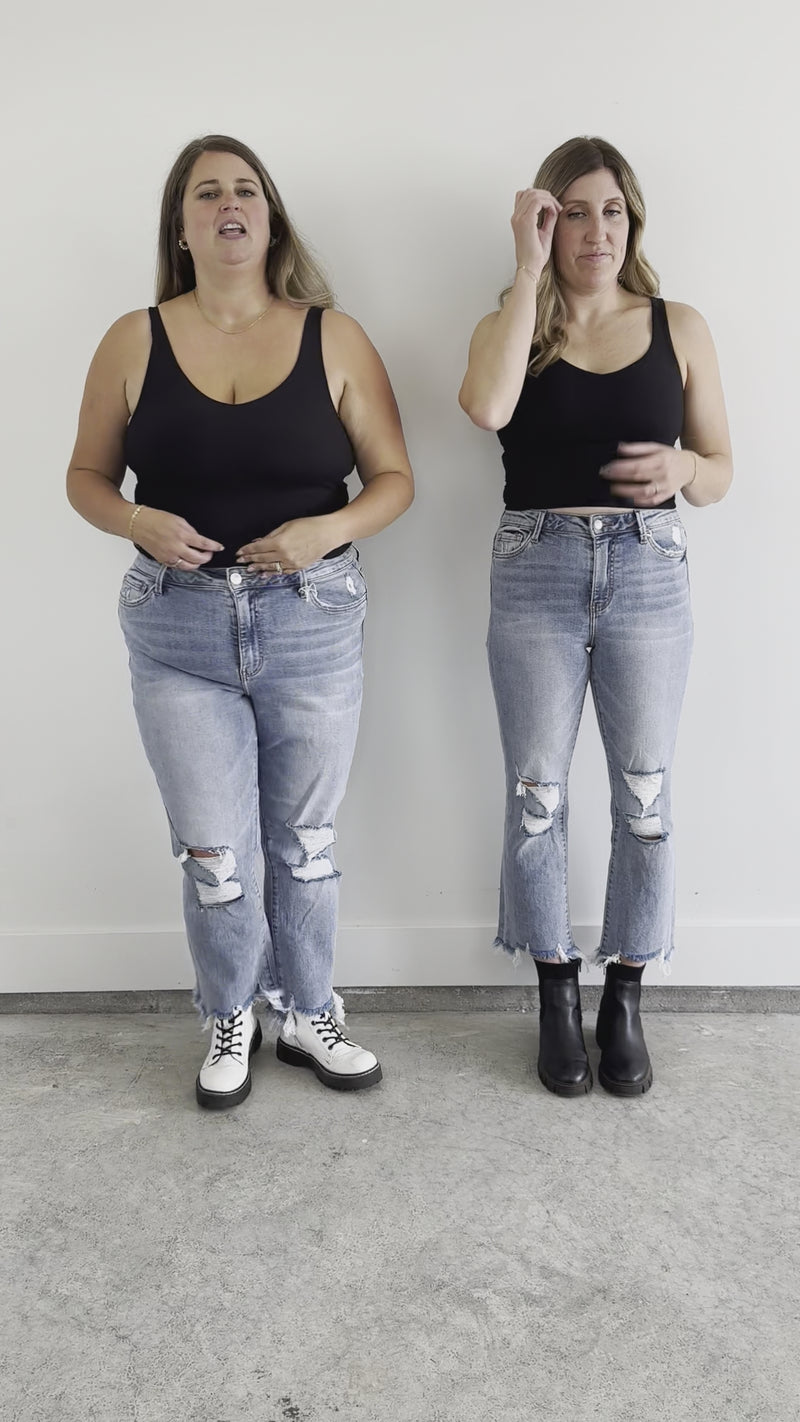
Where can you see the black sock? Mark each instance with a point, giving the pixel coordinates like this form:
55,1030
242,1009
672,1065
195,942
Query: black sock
626,972
555,969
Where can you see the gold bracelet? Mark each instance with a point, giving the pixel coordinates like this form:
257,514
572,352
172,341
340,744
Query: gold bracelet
694,476
137,510
522,268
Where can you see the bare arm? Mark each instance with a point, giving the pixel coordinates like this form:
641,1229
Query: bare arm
369,413
705,422
702,469
97,467
500,349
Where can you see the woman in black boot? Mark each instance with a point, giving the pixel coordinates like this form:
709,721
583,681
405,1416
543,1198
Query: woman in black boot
563,1065
591,380
624,1068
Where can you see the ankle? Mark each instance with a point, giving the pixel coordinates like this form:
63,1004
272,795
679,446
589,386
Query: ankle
624,972
554,968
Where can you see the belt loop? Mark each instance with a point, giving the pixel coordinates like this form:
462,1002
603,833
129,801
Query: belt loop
159,578
640,521
541,515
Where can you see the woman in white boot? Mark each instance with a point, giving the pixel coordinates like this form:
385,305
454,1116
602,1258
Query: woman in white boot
241,402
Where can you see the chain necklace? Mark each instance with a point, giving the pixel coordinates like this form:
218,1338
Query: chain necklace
239,329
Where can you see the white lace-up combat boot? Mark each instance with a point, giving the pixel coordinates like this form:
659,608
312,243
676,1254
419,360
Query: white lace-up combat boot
319,1043
224,1078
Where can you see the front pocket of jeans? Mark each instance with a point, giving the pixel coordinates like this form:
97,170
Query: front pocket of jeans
135,590
343,593
668,539
509,541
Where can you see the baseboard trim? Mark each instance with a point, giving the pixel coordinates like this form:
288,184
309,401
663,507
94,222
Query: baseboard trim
412,958
657,997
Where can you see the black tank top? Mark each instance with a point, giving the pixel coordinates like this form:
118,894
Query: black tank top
568,423
236,472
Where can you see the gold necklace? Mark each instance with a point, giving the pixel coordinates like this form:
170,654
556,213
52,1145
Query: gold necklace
239,329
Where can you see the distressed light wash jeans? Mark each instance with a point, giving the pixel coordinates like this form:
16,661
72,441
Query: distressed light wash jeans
600,602
247,692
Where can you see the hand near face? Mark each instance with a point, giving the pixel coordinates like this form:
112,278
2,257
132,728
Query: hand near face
646,474
533,223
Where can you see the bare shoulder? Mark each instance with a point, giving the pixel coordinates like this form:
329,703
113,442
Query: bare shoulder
687,325
342,334
349,356
127,340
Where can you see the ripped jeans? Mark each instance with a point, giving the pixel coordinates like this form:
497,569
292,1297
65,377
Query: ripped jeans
247,692
600,601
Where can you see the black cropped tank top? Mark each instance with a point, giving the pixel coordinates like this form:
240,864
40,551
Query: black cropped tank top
568,423
236,472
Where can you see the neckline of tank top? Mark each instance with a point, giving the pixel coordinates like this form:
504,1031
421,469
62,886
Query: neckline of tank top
238,404
621,369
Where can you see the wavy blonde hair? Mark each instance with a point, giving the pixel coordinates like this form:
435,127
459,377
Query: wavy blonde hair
561,168
292,273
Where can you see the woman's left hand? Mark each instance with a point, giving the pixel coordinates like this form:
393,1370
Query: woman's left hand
647,474
294,545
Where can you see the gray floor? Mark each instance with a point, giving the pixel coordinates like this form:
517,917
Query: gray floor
455,1244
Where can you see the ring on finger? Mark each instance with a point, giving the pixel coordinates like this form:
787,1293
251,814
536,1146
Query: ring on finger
655,491
176,564
278,567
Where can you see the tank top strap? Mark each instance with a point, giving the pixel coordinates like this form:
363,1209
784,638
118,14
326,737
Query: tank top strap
660,323
309,366
162,356
157,331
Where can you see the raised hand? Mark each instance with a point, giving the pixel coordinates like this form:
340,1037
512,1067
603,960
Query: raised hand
533,223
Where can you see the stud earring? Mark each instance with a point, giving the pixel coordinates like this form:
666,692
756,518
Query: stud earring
273,241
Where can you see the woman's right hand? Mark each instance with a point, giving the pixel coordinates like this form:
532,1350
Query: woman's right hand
171,540
532,240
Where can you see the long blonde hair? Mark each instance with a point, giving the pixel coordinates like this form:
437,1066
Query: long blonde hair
561,168
292,272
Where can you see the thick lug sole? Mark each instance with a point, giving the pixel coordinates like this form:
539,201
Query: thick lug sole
338,1081
566,1088
222,1100
625,1088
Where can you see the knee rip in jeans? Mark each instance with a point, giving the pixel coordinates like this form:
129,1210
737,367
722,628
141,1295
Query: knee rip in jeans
646,788
546,797
214,874
313,840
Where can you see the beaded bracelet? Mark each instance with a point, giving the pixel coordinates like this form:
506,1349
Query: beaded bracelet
137,510
534,278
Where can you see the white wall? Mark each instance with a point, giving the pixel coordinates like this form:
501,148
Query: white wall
398,135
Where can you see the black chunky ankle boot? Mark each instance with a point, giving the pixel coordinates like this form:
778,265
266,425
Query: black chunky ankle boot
625,1068
563,1064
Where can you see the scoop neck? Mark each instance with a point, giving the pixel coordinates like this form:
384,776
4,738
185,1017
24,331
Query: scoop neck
233,404
603,374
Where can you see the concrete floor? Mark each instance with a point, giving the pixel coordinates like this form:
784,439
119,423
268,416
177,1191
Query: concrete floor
454,1245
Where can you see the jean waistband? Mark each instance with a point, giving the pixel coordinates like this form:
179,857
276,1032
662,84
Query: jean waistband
239,578
590,526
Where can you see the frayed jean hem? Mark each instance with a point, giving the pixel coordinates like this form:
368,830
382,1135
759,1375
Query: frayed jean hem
663,958
518,951
274,1015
